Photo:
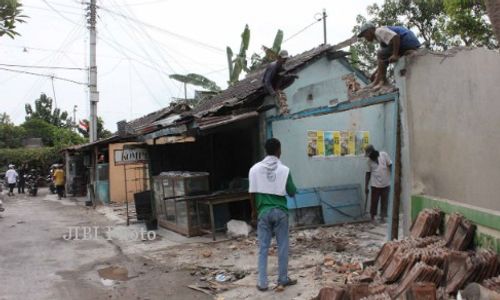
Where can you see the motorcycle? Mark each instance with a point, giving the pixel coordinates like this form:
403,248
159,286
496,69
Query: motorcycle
1,197
32,183
50,182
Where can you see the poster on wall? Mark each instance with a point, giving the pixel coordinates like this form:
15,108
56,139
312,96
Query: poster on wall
347,143
320,143
362,140
329,143
312,143
336,143
315,143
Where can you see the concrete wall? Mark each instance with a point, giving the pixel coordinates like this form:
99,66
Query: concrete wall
135,177
451,124
324,172
318,84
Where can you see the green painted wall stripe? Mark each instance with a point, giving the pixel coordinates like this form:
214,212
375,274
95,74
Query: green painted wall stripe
485,219
419,202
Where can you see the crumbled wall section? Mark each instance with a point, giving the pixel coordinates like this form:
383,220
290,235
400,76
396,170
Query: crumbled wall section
451,103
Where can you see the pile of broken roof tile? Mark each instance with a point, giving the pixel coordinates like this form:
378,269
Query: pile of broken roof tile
424,265
492,284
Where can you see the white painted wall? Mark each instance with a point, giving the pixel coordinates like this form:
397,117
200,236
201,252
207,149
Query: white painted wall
451,115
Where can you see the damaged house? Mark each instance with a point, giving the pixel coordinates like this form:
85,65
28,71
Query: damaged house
199,161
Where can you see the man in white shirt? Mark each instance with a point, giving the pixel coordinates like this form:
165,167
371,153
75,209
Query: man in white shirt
378,176
11,177
394,41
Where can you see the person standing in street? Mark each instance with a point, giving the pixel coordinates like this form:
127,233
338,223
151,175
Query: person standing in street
378,176
11,176
21,182
270,181
59,180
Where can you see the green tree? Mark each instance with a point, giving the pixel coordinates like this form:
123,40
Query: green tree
468,24
439,25
270,53
239,63
39,128
198,80
11,136
51,135
102,132
43,111
64,137
10,16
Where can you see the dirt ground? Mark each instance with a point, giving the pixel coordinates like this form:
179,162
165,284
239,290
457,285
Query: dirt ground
38,263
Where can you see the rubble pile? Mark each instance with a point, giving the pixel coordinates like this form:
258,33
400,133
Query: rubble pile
468,267
426,224
324,240
459,232
492,284
424,265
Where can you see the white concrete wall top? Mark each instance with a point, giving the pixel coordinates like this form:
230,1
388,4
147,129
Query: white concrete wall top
452,108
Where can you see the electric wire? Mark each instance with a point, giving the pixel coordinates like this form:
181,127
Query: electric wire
59,13
43,67
43,75
181,37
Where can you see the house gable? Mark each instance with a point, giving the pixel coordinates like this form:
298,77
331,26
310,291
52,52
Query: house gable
322,83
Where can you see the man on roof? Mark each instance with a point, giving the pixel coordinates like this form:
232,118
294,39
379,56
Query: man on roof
274,78
394,41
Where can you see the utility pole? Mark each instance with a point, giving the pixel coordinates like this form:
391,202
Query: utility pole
324,26
54,92
74,117
94,94
94,98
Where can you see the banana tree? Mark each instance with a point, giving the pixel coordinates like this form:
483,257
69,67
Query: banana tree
270,53
196,79
239,63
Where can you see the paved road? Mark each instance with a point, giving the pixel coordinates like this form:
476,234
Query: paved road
36,262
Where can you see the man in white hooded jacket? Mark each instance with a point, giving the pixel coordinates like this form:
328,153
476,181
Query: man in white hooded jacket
270,181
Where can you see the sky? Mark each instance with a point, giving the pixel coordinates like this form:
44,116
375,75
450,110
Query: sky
141,42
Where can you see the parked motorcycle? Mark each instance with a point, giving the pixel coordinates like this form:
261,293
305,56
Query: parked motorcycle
50,183
32,182
1,197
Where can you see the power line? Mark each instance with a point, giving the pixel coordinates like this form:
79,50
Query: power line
193,41
59,13
51,10
44,75
302,30
141,3
44,67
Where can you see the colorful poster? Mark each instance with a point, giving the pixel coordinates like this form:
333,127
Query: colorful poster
312,138
362,140
320,143
336,143
344,143
351,143
329,143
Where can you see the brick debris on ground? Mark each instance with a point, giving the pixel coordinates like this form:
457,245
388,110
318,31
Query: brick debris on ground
425,265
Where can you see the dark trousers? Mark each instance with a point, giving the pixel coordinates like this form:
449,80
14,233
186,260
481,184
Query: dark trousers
11,188
383,195
60,190
20,187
